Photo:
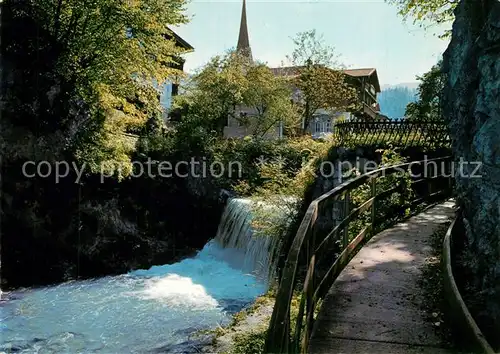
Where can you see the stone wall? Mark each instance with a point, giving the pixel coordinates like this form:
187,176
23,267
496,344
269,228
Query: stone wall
472,108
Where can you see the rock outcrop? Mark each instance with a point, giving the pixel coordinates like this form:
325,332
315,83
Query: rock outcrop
472,108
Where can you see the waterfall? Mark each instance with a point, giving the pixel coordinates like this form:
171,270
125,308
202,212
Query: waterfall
169,302
250,252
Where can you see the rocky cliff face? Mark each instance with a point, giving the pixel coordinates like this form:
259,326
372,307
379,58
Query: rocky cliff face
472,108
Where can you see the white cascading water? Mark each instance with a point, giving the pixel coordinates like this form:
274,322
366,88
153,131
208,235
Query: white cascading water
144,311
251,253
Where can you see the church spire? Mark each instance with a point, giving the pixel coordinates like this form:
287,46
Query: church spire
243,41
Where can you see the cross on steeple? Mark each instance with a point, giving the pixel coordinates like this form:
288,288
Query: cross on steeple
243,46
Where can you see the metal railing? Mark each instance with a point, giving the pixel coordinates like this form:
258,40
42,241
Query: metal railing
319,279
398,132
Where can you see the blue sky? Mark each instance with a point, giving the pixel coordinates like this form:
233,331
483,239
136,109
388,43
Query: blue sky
365,33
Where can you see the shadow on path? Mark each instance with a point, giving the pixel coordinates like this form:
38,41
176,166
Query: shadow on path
375,306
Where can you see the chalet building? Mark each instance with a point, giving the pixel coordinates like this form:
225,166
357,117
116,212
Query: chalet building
170,89
364,80
366,83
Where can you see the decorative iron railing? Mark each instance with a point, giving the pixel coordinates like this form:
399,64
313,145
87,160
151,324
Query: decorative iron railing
398,132
434,179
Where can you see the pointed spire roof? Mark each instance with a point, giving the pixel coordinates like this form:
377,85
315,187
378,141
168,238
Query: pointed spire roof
243,41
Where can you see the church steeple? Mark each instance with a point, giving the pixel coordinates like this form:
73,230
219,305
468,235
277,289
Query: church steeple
243,41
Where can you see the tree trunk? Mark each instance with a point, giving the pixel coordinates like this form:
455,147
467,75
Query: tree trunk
307,118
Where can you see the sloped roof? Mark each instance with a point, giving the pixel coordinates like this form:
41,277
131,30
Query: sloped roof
359,72
365,72
180,41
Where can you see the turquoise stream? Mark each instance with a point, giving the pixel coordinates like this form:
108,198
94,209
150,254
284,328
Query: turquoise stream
145,311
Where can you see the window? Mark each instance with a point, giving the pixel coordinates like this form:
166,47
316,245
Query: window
318,127
328,126
166,95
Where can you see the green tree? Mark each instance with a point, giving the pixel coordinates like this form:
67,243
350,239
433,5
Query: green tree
319,80
212,94
430,91
310,48
231,83
427,12
269,98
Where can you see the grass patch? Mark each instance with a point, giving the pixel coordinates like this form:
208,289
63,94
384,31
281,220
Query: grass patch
253,341
250,343
246,340
264,300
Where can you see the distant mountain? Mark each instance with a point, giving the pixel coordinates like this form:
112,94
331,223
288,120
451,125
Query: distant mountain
410,85
394,98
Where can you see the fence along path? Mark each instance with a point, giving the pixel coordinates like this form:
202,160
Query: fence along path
285,337
399,132
375,305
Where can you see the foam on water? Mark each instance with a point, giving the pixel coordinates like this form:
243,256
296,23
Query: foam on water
145,309
177,291
136,312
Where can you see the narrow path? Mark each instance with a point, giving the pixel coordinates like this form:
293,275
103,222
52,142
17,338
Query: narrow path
375,304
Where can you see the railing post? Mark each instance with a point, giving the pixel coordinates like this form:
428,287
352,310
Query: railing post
312,240
345,242
374,195
430,181
278,336
308,292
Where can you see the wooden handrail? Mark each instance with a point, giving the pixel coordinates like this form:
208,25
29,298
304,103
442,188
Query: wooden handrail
461,319
278,336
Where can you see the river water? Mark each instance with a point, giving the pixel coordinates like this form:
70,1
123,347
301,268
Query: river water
145,311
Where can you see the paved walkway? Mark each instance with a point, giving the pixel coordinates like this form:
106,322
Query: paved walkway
374,306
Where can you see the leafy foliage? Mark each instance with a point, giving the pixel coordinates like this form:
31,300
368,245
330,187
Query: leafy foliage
250,343
282,189
99,57
320,81
430,91
309,47
231,83
323,88
270,98
269,169
393,206
425,11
